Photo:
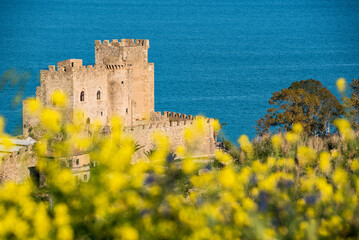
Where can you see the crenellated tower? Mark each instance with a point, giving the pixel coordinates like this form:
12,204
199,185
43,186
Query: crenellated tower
120,83
135,54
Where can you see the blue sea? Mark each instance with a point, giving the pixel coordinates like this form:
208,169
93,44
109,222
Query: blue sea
223,59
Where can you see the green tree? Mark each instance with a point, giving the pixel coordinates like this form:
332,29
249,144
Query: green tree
307,102
353,103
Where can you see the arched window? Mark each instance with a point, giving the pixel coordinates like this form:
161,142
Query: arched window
82,96
98,95
88,121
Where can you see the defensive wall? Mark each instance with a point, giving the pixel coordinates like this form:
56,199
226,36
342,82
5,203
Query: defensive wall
172,125
16,161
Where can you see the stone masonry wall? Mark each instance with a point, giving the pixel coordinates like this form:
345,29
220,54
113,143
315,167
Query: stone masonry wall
142,134
135,54
15,166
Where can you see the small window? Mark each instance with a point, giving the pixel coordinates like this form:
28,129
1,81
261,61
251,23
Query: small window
82,96
122,82
88,121
101,113
98,95
72,64
85,177
126,110
77,161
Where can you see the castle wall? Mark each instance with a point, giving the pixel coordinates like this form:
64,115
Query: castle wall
90,80
14,166
142,134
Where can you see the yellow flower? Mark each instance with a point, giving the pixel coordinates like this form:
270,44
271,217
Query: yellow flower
249,205
189,165
291,137
355,165
59,98
344,128
326,190
51,119
277,141
216,125
224,158
128,233
227,177
297,128
246,145
7,142
340,177
32,105
341,85
324,162
181,151
306,155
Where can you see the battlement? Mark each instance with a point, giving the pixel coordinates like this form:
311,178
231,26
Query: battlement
61,68
125,43
157,126
19,149
164,121
177,116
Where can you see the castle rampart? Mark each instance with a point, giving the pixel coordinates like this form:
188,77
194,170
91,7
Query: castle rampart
16,160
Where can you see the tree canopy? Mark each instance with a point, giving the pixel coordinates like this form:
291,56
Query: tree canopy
306,102
353,103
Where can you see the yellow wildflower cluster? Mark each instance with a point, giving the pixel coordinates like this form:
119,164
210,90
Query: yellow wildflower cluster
276,193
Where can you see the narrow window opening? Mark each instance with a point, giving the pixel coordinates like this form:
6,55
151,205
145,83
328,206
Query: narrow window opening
77,161
72,64
101,113
122,82
85,177
98,95
126,110
82,96
88,121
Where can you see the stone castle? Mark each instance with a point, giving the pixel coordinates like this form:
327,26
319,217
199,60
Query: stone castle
120,83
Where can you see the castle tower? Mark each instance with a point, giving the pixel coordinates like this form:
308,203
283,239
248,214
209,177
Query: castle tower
134,54
120,83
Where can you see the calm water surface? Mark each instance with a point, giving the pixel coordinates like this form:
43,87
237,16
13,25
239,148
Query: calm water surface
222,59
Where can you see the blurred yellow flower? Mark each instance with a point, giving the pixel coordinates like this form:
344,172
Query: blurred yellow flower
277,141
297,128
341,85
340,177
32,105
344,128
227,177
189,165
291,137
128,233
246,145
59,98
51,119
216,125
354,165
324,162
306,155
222,157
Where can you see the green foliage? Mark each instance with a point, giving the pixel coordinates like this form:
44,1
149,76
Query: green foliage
353,103
306,102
